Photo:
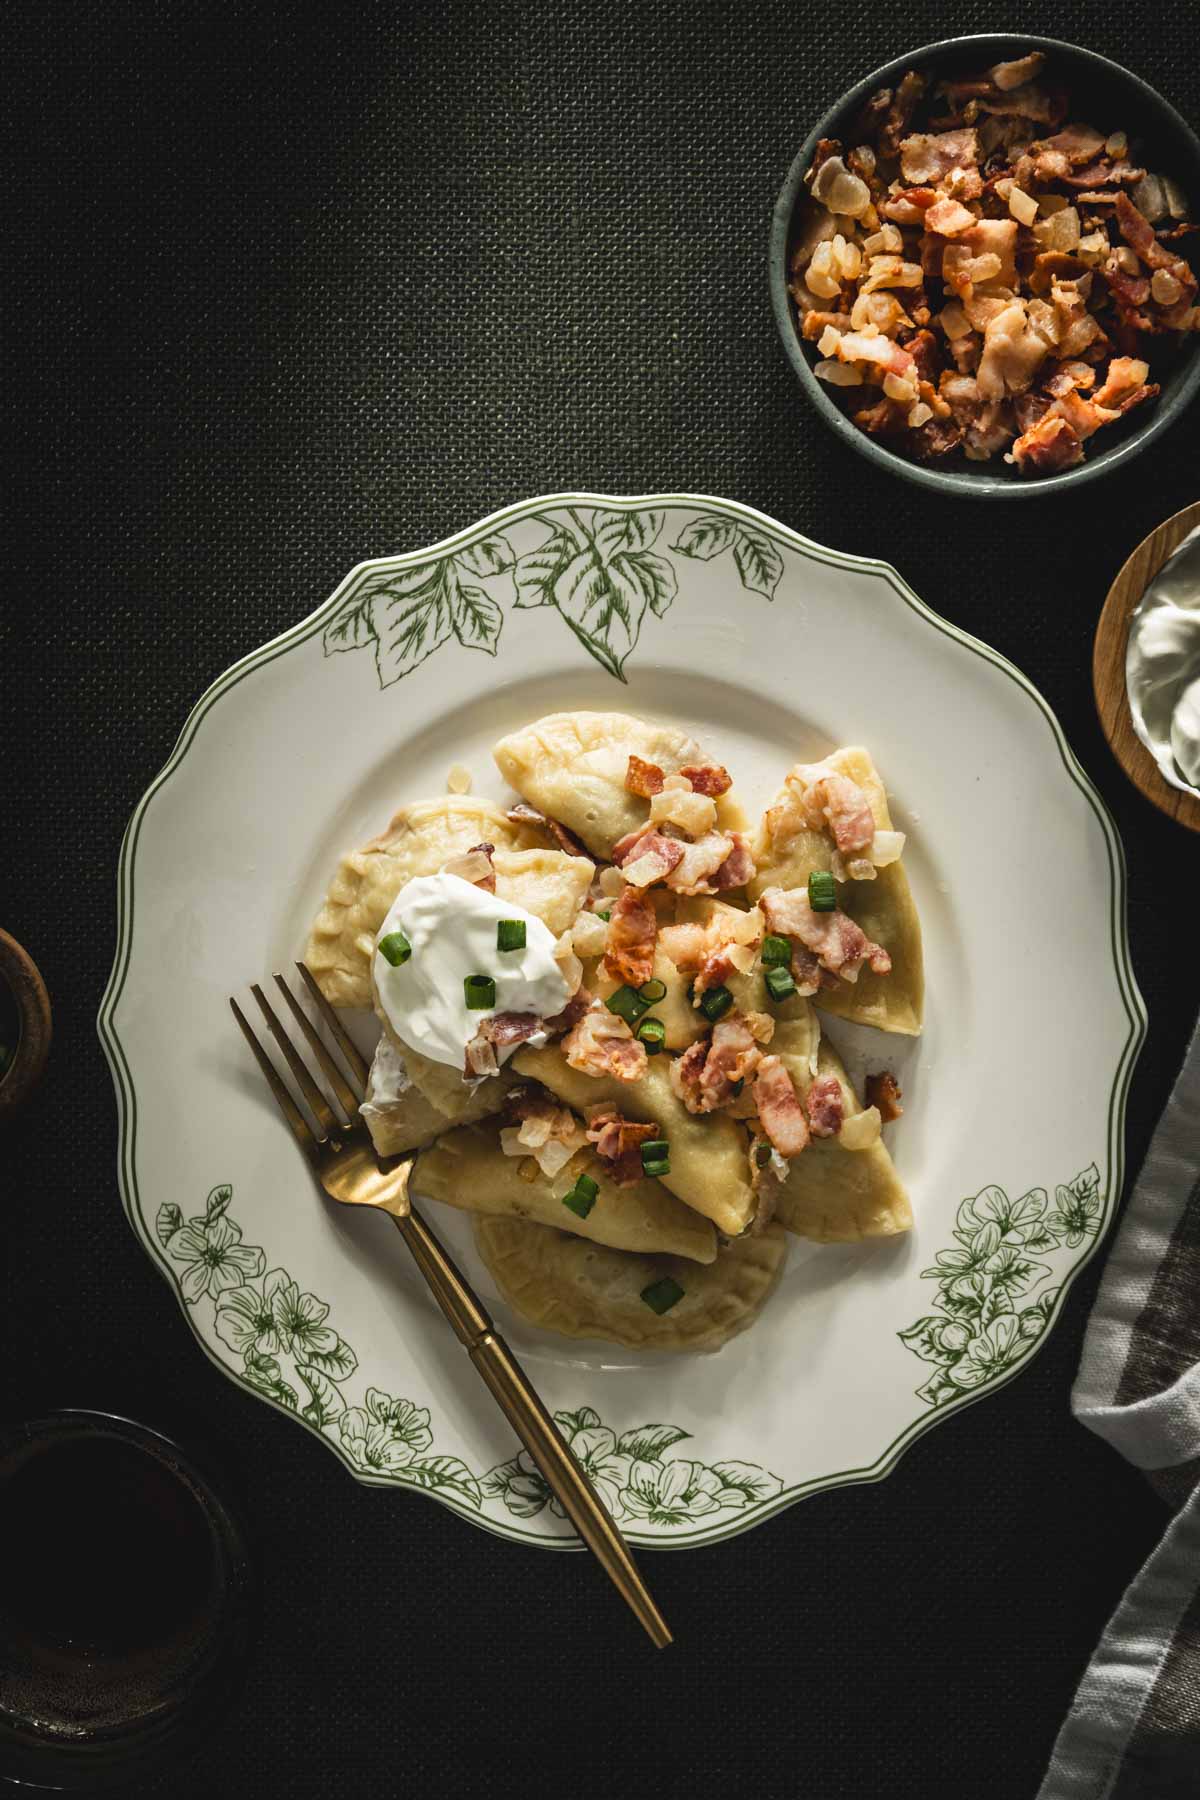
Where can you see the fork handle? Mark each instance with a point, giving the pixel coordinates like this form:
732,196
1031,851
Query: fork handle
530,1420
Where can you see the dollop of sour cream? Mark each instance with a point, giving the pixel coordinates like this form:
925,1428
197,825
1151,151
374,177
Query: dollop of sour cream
451,926
1185,732
1162,667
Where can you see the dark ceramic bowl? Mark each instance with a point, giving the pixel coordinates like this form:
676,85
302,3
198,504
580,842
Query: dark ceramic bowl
1102,93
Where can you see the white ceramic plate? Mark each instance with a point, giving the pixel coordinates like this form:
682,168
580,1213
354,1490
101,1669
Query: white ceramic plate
768,648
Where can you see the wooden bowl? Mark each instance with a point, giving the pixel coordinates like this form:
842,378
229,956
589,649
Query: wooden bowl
1108,668
19,973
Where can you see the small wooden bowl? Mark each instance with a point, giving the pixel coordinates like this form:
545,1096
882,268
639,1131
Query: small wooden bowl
1108,668
20,974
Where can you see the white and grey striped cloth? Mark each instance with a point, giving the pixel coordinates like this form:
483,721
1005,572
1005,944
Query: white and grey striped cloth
1133,1732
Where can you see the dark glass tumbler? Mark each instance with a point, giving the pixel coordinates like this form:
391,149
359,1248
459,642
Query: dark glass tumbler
126,1600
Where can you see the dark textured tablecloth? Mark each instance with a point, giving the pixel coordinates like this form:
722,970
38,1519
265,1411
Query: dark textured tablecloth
284,294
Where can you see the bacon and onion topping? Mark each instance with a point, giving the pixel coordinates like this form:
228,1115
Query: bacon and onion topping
600,1043
976,244
838,945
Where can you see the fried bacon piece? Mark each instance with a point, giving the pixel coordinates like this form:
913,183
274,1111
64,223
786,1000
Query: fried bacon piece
1046,447
602,1044
712,779
732,1055
632,936
883,1092
832,802
807,972
537,1125
566,840
928,157
738,867
709,1073
694,872
571,1013
839,945
780,1112
899,112
502,1031
1125,383
618,1143
1083,416
645,857
475,866
685,1073
825,1106
644,778
1009,75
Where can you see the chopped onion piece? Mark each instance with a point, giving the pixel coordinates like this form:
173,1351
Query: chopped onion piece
954,321
458,780
589,935
1164,287
887,847
1176,199
1022,206
899,387
838,374
1149,195
860,1132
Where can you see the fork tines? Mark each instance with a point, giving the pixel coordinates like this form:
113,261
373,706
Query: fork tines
332,1117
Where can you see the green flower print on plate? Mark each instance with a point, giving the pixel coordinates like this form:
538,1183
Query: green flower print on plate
985,1319
211,1250
600,569
281,1337
634,1476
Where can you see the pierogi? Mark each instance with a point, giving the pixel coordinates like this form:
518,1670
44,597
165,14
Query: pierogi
602,1010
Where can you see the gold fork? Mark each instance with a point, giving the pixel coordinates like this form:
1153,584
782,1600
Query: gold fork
344,1160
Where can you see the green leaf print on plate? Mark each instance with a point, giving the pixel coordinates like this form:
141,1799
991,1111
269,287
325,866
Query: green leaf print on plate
981,1328
758,561
596,567
408,615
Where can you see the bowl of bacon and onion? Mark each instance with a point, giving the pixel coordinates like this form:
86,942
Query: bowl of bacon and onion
983,265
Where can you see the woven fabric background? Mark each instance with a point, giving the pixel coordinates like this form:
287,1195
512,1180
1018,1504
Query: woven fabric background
290,288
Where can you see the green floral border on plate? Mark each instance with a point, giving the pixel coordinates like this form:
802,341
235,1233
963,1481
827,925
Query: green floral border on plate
290,1352
602,599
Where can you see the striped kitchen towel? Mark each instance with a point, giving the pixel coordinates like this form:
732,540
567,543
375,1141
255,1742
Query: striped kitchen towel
1133,1731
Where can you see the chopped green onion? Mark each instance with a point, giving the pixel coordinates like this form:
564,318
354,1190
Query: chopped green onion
776,952
395,948
582,1196
762,1155
779,983
735,1087
653,990
716,1003
822,895
480,991
510,934
656,1157
628,1004
662,1295
606,916
653,1034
